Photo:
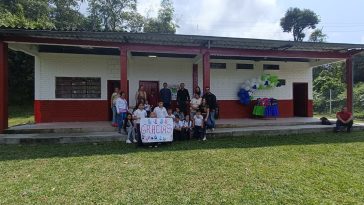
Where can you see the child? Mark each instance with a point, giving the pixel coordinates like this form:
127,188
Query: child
179,113
129,129
147,108
177,128
198,126
121,109
170,114
139,114
187,128
160,111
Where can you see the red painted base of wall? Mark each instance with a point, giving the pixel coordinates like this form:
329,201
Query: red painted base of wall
70,110
97,110
234,109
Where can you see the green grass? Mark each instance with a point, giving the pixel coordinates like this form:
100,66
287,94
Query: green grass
298,169
20,115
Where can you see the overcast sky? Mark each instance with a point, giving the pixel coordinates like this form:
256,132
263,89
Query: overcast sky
342,21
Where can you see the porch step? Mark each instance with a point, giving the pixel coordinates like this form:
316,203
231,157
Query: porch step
100,137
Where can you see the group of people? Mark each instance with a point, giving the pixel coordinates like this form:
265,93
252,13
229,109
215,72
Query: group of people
192,116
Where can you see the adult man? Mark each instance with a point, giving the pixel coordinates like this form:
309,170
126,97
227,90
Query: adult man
344,118
212,103
183,98
166,96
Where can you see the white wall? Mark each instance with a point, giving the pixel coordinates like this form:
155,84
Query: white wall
224,83
73,65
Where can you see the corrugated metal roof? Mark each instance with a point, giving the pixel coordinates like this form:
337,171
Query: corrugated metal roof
177,40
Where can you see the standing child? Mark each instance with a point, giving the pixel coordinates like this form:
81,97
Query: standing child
147,108
198,126
129,129
187,128
160,111
139,114
121,109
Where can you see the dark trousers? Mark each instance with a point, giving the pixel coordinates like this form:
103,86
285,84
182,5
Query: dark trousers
177,135
183,107
167,105
138,135
186,134
198,132
341,124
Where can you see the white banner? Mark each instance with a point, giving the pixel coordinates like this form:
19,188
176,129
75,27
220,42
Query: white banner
156,130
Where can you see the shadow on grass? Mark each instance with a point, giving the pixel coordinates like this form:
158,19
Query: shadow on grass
20,152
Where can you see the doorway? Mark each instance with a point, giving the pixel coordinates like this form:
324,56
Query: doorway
300,99
111,85
149,86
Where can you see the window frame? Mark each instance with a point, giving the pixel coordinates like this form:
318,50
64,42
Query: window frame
77,87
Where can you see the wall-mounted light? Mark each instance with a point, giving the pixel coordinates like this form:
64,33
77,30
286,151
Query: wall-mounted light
152,56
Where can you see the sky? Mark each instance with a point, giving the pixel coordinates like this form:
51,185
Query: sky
342,21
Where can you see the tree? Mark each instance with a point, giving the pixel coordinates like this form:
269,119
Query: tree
113,15
164,23
317,36
297,20
26,13
65,14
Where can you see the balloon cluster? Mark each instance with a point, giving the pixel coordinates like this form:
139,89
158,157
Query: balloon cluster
248,88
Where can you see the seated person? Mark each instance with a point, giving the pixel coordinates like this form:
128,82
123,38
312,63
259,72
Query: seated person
170,114
177,128
344,119
179,113
187,128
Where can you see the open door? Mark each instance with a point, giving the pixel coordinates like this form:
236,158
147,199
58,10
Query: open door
300,99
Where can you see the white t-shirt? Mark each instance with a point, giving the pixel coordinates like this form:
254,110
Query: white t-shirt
121,105
187,124
198,120
195,103
170,116
178,125
160,112
139,114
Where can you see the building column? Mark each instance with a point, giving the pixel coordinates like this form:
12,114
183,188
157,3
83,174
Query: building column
124,70
3,86
206,70
194,77
349,84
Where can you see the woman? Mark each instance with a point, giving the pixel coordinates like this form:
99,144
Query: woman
197,90
140,95
194,104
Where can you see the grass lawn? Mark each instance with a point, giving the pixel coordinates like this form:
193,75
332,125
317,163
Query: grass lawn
20,115
298,169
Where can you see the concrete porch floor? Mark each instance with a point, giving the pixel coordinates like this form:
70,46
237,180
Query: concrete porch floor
104,126
95,132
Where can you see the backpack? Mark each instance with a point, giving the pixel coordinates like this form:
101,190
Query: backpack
325,121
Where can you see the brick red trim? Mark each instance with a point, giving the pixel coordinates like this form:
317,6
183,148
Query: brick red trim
206,70
310,108
71,110
349,84
234,109
124,70
3,86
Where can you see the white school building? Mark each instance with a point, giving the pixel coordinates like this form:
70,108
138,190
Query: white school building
76,71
